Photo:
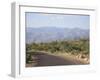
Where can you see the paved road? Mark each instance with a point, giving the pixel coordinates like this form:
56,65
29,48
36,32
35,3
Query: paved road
53,60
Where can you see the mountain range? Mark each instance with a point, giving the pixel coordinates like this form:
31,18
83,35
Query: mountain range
48,34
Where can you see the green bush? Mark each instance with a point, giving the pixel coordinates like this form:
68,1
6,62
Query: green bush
77,46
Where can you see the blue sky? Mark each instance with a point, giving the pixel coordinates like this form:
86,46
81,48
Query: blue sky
57,20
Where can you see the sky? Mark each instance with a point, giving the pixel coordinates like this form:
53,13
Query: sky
36,20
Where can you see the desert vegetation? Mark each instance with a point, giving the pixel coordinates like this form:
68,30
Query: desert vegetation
79,48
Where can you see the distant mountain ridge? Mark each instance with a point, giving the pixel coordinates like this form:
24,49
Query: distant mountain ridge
48,34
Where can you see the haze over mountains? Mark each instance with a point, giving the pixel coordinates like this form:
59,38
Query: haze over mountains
48,34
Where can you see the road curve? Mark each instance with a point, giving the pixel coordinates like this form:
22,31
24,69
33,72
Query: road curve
45,59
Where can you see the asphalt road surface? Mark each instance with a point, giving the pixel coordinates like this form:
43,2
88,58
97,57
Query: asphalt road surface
43,59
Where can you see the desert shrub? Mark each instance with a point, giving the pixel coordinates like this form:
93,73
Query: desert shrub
78,46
